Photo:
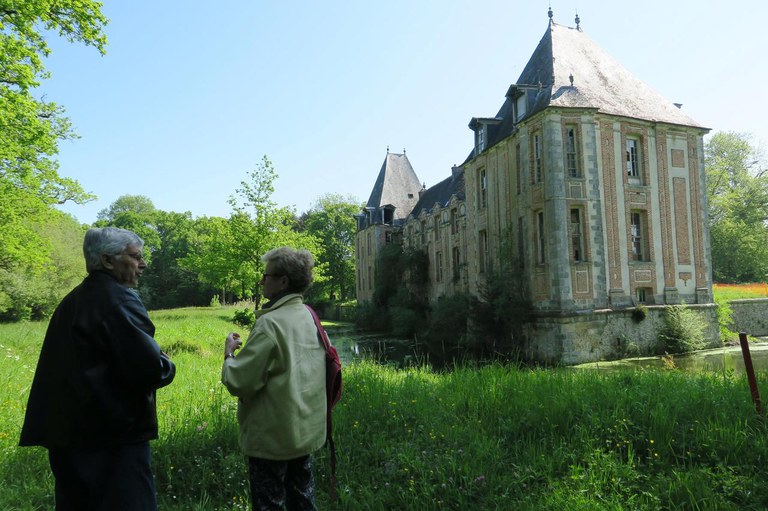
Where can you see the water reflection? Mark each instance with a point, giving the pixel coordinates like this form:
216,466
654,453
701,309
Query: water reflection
353,344
715,360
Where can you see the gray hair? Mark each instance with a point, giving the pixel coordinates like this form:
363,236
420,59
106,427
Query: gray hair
296,264
106,240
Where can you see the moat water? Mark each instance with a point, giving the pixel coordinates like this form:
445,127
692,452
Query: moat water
729,358
353,344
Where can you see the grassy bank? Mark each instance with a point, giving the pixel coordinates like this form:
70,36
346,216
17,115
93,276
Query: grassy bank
489,438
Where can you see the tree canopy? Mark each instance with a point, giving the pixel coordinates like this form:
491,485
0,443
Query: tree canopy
227,253
31,127
331,221
136,213
737,191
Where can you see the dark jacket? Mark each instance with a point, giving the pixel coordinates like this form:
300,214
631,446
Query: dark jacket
98,370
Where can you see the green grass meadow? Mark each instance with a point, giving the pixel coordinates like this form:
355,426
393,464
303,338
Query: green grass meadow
492,437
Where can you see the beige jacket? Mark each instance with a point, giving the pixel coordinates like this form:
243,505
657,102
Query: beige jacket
279,376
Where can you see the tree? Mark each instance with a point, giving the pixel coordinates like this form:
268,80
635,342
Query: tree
138,204
331,221
167,283
29,291
170,280
216,258
737,191
30,127
257,225
136,213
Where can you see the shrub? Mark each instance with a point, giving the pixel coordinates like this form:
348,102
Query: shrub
683,329
244,317
405,321
502,308
447,334
371,318
627,347
639,313
725,320
407,314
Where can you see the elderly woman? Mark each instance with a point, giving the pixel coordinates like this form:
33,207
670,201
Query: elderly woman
279,377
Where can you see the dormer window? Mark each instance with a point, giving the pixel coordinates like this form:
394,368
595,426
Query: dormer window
480,138
389,214
520,105
481,126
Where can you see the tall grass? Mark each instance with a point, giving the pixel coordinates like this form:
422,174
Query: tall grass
493,437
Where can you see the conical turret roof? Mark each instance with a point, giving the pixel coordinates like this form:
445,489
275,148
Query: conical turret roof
397,185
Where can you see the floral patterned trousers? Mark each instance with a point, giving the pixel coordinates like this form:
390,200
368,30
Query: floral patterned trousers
277,485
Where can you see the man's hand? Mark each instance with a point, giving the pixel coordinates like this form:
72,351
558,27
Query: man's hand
232,344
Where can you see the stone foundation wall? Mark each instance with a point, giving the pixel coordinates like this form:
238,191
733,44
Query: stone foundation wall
604,334
750,316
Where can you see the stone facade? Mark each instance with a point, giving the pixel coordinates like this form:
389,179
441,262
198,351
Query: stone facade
596,189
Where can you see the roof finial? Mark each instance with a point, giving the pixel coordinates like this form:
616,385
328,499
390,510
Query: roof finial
550,14
570,77
578,20
403,150
387,148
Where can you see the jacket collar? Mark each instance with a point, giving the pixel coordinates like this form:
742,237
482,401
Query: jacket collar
289,298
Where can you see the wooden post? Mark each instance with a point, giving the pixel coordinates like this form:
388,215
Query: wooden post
750,372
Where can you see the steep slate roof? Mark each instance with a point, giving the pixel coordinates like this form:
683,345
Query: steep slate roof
441,193
599,82
395,182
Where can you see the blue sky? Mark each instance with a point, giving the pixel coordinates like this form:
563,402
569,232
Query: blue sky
192,94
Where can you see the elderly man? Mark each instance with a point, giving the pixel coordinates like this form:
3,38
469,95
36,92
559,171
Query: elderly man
92,401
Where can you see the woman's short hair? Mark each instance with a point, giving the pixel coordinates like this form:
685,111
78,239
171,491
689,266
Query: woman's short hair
106,240
295,264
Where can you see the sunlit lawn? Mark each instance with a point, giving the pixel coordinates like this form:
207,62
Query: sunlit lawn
728,292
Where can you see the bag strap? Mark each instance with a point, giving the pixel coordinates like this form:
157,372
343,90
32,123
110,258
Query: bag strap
323,335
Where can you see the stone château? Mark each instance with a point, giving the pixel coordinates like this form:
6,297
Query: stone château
589,179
